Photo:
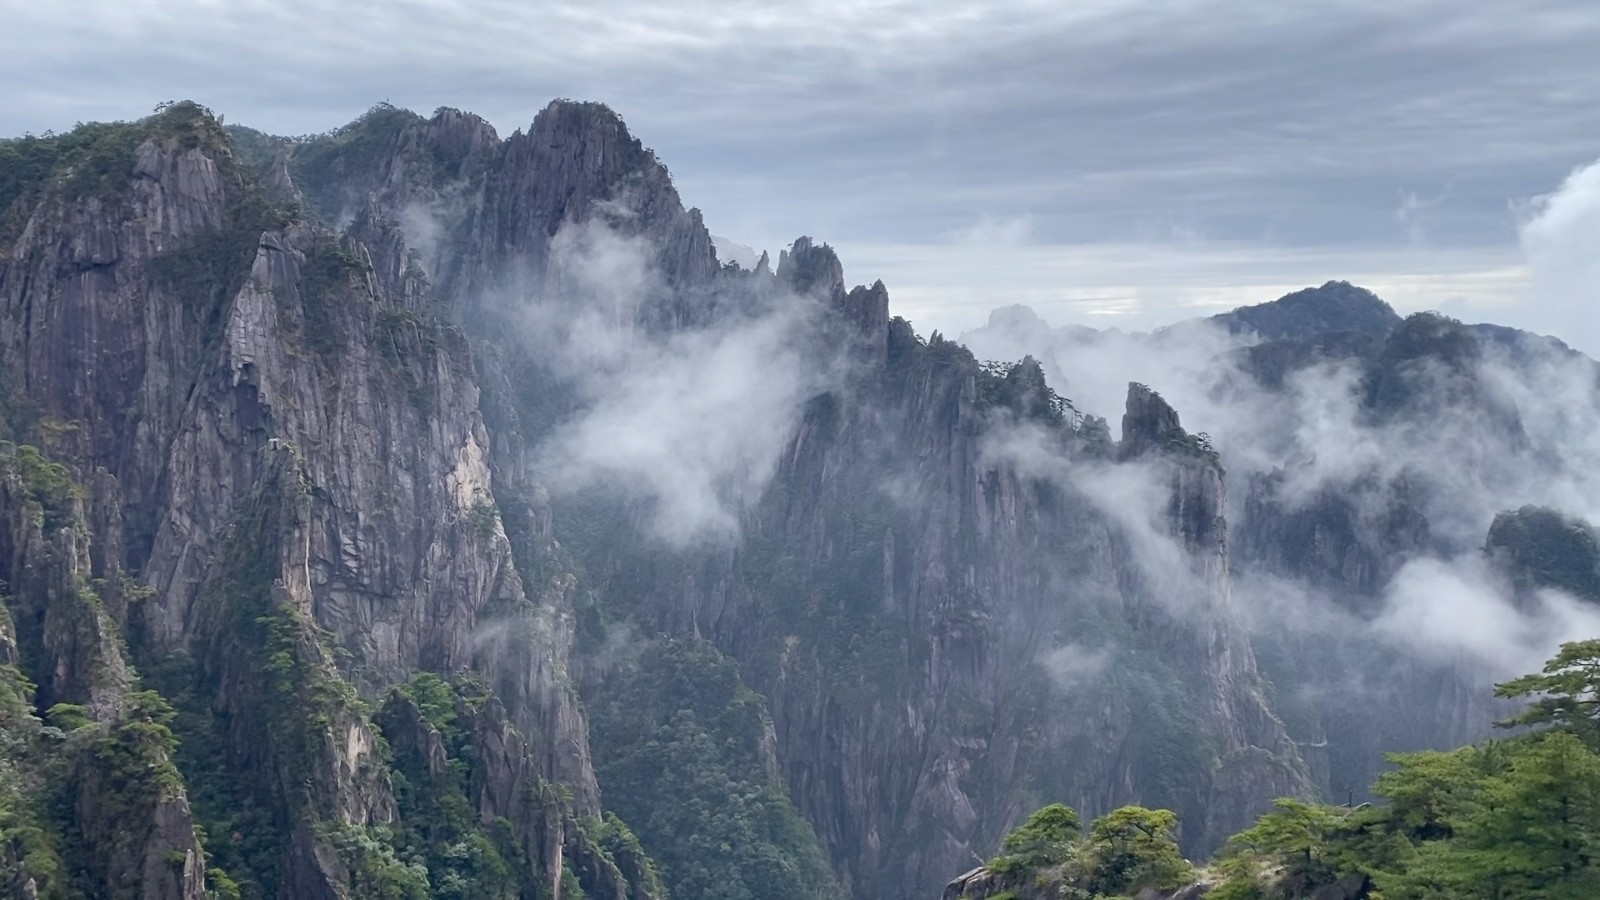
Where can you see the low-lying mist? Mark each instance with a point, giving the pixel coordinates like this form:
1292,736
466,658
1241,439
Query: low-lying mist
1517,423
689,420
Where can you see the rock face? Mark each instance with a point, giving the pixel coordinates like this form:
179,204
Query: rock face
1148,423
277,434
115,770
1538,547
932,675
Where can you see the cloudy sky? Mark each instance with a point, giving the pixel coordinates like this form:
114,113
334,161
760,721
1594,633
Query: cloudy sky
1108,162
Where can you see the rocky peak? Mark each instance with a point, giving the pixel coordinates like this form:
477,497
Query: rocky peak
577,153
462,136
1150,428
1147,422
809,268
867,309
578,161
814,270
278,182
1428,335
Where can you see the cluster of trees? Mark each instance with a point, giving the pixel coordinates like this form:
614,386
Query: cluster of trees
1511,818
1126,851
1517,817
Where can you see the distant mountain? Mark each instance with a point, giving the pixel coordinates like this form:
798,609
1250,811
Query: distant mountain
1337,306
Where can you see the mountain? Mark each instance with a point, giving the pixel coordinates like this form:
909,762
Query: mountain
1337,306
410,511
1376,458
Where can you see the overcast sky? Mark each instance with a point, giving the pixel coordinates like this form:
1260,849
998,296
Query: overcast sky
1107,162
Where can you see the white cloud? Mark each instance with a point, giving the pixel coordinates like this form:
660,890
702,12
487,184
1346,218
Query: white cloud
691,421
1561,238
1073,667
1458,612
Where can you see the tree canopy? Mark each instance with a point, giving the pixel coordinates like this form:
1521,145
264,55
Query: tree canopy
1516,818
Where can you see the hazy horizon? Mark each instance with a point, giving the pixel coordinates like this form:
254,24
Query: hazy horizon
1099,164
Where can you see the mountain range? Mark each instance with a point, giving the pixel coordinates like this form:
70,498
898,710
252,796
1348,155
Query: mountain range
411,511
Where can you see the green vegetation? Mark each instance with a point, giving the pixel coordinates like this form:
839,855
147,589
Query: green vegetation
1517,817
410,342
439,834
265,700
48,485
1021,388
323,165
1176,441
679,748
95,158
1565,696
1046,839
1425,345
1197,445
485,517
1507,819
134,758
212,265
439,831
375,871
1126,851
245,843
256,149
617,841
1131,849
1018,387
31,761
73,789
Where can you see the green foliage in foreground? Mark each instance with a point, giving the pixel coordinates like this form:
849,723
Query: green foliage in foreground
1510,819
1513,818
1126,851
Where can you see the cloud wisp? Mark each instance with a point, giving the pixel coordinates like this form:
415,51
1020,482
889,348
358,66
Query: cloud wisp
689,421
